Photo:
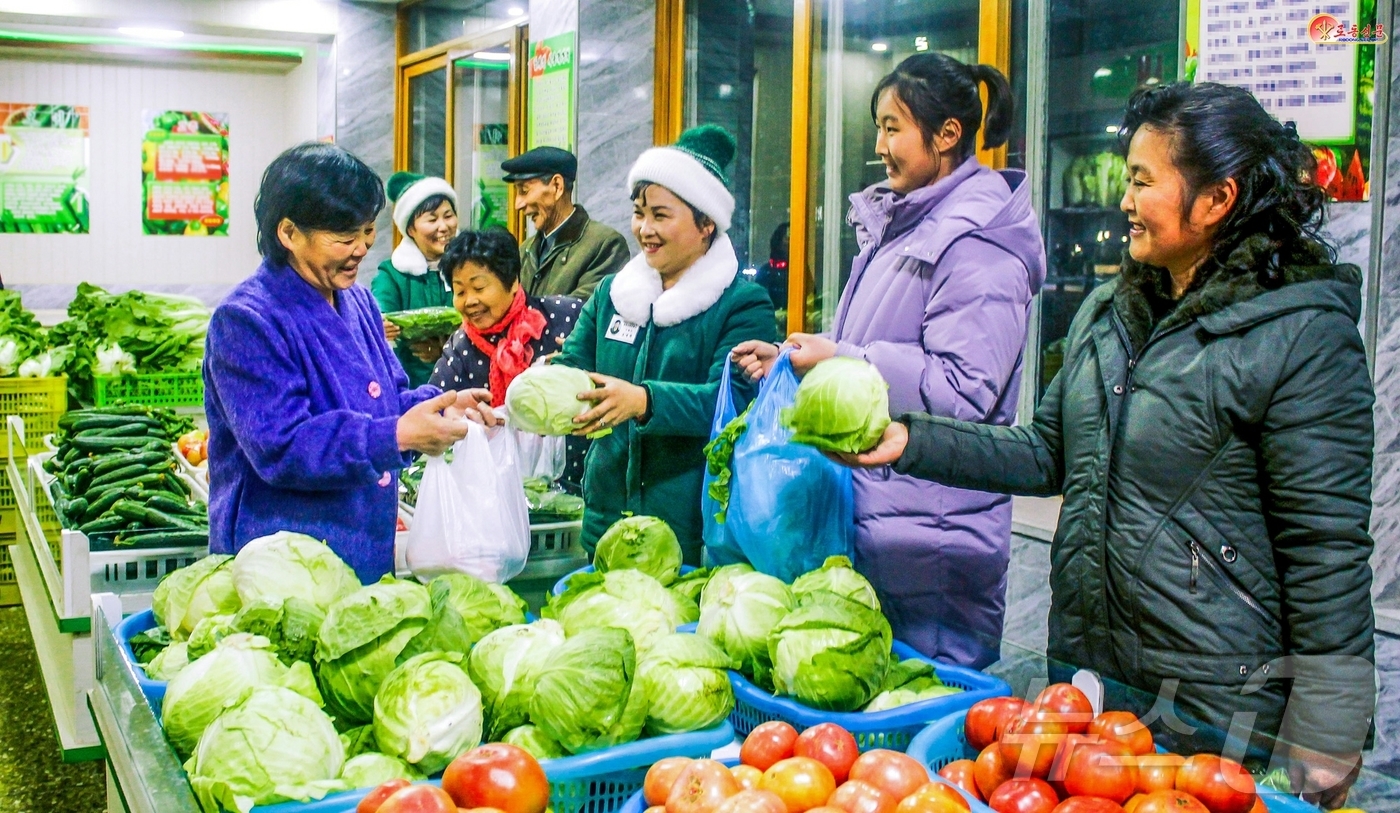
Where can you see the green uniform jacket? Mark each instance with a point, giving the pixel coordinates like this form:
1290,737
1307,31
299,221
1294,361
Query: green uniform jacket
656,469
1216,473
396,291
584,252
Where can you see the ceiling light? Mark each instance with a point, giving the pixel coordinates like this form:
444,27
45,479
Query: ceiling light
515,11
492,56
879,47
1112,128
1103,73
141,32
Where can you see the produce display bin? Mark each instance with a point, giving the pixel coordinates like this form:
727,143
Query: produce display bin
943,742
892,729
150,389
40,402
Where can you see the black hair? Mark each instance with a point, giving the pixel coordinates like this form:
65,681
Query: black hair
319,187
428,205
935,88
1219,132
701,219
494,249
776,249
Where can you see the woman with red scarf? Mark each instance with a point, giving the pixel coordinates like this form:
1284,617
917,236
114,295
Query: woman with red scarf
503,330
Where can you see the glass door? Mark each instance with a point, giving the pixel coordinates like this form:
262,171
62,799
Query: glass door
426,118
481,130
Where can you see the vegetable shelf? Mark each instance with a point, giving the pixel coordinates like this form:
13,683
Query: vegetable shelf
150,389
39,401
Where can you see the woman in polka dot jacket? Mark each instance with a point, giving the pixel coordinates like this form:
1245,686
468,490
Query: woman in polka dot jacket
503,330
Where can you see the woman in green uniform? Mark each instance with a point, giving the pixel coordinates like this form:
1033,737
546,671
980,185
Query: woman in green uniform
425,210
656,337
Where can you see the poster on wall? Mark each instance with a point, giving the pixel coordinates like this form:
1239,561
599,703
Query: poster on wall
1312,63
490,197
551,95
43,168
184,173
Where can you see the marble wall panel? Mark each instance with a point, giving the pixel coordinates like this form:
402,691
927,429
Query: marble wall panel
364,122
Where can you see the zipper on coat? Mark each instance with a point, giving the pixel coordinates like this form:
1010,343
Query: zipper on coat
1240,593
1195,564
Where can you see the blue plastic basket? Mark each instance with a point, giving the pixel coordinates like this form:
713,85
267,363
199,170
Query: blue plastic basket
943,742
129,628
563,584
892,729
600,782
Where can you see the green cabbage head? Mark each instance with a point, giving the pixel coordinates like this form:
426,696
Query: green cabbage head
640,543
543,400
587,696
842,405
909,681
372,769
285,565
208,633
361,640
190,594
465,609
291,624
275,746
624,599
428,711
168,663
738,610
837,575
534,742
830,653
504,665
686,678
692,584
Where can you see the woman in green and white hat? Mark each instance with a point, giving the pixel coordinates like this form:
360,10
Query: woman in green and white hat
425,210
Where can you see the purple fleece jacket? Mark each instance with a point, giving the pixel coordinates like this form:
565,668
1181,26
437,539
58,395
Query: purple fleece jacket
938,300
303,403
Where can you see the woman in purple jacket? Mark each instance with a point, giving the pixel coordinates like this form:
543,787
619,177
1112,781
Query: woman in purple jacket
938,300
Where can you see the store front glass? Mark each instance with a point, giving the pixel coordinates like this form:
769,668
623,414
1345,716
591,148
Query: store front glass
738,74
427,124
434,22
481,126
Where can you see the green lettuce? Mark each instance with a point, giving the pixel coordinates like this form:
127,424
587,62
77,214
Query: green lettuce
739,609
587,696
187,595
640,543
287,565
686,679
909,681
168,663
504,666
830,653
543,400
465,610
837,575
624,599
425,323
842,405
428,711
361,640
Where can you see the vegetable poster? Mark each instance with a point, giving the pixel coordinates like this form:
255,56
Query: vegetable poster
43,168
184,173
552,91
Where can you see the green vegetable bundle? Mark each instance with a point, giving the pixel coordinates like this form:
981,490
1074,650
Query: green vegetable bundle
425,323
21,337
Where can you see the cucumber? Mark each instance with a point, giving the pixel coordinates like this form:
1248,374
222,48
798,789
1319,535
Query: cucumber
75,507
109,523
124,431
120,460
151,517
130,472
172,539
99,505
125,411
171,505
87,422
105,444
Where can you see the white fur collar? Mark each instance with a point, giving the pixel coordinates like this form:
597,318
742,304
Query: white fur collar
637,294
409,259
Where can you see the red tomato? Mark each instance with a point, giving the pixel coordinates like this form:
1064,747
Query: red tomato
701,786
1068,705
479,810
896,774
1168,801
856,796
656,809
747,776
1157,772
418,799
767,745
1024,796
1107,770
1259,806
500,776
376,797
963,773
661,777
1088,804
801,783
752,801
831,745
1132,804
941,792
987,718
1125,727
991,770
1221,785
1030,741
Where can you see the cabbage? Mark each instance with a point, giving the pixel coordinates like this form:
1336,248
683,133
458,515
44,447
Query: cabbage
625,599
208,633
837,575
286,565
686,679
371,769
39,366
276,746
168,663
909,681
640,543
111,359
534,742
830,653
361,640
428,711
292,625
504,666
465,609
586,696
690,585
738,610
543,400
842,405
187,595
201,691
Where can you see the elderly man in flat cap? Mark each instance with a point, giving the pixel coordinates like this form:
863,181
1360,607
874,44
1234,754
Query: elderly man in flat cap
569,254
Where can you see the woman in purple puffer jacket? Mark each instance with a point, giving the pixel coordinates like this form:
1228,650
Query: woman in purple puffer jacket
938,300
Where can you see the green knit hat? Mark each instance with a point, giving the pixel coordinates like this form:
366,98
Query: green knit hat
693,168
400,181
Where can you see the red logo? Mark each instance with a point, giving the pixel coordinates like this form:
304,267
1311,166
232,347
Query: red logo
540,60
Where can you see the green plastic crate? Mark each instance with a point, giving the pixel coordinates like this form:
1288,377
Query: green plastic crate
40,402
150,389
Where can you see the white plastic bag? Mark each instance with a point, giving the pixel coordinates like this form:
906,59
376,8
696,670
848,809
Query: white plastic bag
540,456
471,515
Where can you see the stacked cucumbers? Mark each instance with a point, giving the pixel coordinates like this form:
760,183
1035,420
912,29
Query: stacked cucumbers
115,475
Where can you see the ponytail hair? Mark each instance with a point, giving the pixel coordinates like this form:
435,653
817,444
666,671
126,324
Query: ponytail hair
935,88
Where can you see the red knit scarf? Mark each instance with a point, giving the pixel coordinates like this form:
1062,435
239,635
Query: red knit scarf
512,355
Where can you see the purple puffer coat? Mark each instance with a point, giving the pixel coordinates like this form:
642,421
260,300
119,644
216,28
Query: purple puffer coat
938,300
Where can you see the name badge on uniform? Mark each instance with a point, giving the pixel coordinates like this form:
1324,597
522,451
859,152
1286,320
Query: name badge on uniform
621,330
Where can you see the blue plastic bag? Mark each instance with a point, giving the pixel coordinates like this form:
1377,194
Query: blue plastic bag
789,506
720,545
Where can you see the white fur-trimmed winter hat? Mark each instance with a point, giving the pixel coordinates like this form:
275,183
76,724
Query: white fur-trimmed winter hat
408,190
693,168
